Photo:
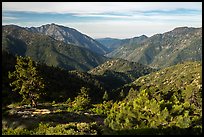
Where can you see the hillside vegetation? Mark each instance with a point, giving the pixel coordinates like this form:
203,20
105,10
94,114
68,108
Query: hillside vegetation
70,36
117,72
60,84
51,87
163,50
168,101
45,49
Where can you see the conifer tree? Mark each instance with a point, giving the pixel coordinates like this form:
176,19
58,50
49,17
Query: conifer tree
26,80
82,101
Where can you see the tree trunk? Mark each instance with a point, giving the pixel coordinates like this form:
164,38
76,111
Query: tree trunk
33,101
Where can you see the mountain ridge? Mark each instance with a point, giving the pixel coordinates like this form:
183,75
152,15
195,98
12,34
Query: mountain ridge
45,49
70,36
162,50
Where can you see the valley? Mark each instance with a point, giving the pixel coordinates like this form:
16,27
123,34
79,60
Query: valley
107,86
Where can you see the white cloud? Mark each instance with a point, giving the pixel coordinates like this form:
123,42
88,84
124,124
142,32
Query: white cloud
97,7
124,29
5,18
131,21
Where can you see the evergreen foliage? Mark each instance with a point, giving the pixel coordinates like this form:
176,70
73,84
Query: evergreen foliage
26,81
102,109
61,129
45,49
147,111
115,73
163,50
82,101
169,100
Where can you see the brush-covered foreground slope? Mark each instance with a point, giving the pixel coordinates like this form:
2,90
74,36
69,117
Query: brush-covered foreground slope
117,72
45,49
162,50
185,77
168,101
70,36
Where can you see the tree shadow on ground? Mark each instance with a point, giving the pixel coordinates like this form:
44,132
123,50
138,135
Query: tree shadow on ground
31,121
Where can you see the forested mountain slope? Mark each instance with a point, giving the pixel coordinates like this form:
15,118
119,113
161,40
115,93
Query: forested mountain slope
117,72
45,49
115,45
185,77
162,50
59,84
168,101
70,36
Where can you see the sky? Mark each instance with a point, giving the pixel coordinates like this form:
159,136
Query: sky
106,19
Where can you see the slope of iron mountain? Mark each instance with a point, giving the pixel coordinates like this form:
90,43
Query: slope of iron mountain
45,49
70,36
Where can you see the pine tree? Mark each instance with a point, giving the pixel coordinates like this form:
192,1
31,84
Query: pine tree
82,101
26,80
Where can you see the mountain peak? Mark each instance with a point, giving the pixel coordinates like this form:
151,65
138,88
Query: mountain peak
53,24
70,36
180,28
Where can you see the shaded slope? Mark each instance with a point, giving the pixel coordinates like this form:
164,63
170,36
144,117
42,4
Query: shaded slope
59,84
117,72
45,49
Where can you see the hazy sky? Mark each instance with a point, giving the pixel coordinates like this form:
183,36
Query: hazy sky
106,19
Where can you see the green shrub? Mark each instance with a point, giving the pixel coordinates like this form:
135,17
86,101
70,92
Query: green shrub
17,131
68,101
102,109
153,112
82,101
67,129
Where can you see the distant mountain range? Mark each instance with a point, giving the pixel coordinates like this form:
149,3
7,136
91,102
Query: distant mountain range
162,50
45,49
114,44
70,36
69,49
110,43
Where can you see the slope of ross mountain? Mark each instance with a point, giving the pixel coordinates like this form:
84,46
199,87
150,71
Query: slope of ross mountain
45,49
110,43
123,44
70,36
162,50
